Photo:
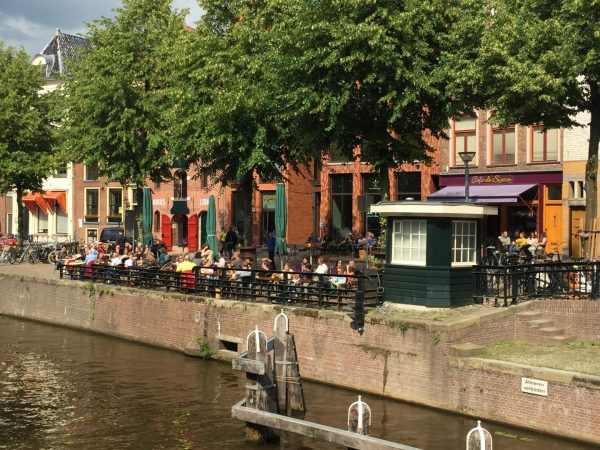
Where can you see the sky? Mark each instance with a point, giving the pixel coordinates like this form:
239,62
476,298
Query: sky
32,23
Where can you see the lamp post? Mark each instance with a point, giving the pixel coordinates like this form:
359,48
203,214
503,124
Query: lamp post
467,157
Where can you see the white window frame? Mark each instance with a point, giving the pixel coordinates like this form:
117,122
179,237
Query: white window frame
459,240
56,219
121,208
85,203
87,238
40,213
417,242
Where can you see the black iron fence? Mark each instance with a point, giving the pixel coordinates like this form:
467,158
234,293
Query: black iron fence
240,284
509,284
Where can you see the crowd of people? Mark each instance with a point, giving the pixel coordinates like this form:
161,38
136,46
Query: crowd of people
227,263
527,244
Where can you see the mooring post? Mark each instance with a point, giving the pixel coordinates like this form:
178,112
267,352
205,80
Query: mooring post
479,438
359,417
281,328
261,390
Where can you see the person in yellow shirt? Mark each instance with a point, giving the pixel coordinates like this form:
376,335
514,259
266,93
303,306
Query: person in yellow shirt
521,240
186,264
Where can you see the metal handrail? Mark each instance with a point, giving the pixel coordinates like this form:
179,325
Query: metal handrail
239,284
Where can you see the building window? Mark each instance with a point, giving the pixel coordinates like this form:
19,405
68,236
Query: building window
62,222
156,220
61,172
503,145
115,205
42,220
91,205
409,185
544,144
91,172
341,205
91,235
180,185
554,191
372,193
464,242
409,242
9,223
465,139
204,179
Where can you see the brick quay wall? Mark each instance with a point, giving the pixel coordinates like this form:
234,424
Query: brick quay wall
410,361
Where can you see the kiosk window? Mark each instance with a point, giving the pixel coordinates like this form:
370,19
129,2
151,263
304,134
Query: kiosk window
409,242
464,238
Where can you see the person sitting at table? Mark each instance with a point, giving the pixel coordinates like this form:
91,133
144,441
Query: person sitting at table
90,256
339,280
115,260
148,255
339,266
518,243
60,257
198,259
207,253
130,261
185,264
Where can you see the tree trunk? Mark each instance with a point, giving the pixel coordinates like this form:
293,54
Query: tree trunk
591,168
384,179
21,235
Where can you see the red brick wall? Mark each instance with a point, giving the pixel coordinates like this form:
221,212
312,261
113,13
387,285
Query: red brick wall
402,360
579,318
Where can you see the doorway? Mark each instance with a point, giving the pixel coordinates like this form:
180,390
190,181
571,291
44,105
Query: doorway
267,217
179,224
577,224
203,236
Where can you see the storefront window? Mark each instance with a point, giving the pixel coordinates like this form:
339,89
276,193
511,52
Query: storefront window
62,222
409,185
267,214
465,139
503,146
42,218
464,238
544,144
341,205
409,242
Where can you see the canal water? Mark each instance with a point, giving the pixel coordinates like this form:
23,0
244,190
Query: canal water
66,389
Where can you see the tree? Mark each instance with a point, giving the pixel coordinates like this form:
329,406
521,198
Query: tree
114,110
530,62
360,75
227,118
25,128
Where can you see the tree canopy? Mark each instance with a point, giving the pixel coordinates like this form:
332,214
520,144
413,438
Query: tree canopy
26,127
278,82
114,113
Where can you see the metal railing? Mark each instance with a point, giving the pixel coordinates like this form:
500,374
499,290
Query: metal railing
240,284
508,285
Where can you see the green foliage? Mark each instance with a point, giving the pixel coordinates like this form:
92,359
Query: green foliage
113,96
25,127
204,348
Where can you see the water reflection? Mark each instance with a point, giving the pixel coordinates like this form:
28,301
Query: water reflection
62,389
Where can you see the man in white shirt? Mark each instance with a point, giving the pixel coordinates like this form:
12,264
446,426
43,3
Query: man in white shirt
322,267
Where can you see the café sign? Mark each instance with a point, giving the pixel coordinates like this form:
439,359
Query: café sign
491,179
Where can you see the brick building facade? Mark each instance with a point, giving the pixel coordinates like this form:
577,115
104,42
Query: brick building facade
518,168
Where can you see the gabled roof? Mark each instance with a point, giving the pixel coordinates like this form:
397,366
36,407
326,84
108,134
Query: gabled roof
58,51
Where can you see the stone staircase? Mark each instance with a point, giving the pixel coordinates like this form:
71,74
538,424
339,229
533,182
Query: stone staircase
532,326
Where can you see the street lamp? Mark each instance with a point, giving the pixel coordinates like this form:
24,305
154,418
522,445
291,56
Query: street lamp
467,157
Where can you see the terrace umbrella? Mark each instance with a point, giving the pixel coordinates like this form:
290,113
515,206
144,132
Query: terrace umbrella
211,226
280,219
147,238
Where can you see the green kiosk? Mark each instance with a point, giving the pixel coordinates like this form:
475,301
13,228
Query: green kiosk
431,248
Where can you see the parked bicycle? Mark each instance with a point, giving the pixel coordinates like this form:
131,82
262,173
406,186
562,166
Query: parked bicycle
19,254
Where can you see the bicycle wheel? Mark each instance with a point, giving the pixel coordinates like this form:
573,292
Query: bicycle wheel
34,257
52,257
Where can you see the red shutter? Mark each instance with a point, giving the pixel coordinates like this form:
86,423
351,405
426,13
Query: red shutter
193,233
165,228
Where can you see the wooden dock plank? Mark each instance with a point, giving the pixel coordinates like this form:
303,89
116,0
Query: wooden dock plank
314,430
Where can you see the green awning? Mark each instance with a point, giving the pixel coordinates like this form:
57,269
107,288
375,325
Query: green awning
180,206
